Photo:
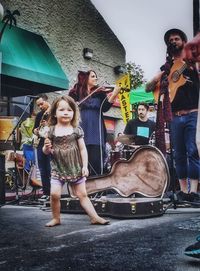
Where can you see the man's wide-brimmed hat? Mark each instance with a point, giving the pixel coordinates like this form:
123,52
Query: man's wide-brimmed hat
175,31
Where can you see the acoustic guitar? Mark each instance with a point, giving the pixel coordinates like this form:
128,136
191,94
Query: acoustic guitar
175,79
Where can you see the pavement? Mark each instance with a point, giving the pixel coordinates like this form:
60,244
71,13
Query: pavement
144,244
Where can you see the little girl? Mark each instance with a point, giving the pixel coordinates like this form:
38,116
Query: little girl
69,159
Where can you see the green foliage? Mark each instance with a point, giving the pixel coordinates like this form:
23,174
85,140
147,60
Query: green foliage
136,74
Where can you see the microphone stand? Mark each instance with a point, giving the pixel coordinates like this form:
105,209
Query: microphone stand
170,50
165,105
13,133
172,173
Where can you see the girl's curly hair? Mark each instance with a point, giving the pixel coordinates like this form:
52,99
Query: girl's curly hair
76,118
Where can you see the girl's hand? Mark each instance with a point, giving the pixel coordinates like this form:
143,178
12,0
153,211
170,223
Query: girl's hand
47,145
85,171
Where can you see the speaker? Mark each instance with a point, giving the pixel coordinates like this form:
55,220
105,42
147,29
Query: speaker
2,179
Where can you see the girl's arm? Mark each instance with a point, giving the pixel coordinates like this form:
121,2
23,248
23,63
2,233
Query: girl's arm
84,156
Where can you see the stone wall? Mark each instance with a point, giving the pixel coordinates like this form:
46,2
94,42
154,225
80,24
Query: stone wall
68,26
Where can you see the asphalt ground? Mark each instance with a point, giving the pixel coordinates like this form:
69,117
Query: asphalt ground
145,244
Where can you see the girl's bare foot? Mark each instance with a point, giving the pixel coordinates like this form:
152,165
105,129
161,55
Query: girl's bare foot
100,221
53,222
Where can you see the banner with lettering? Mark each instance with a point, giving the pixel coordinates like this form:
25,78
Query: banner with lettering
124,96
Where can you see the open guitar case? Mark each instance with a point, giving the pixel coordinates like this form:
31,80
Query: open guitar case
138,186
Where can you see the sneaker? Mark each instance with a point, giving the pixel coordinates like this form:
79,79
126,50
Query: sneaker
194,199
194,250
183,197
44,198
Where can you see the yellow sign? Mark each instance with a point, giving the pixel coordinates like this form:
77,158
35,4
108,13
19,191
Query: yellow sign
124,82
124,96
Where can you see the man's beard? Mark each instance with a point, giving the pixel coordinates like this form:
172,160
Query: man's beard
141,116
174,50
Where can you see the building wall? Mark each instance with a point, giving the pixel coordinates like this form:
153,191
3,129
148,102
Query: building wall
68,26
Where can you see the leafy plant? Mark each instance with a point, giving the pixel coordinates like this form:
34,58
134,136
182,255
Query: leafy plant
136,74
9,18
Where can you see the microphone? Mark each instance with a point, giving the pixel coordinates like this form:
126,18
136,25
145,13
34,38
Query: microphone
32,97
14,121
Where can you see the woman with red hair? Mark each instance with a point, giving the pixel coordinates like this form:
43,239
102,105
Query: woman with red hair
92,104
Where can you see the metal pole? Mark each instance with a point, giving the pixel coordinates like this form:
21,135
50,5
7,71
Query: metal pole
196,18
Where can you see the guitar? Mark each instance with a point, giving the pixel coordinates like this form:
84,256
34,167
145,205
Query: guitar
175,79
42,130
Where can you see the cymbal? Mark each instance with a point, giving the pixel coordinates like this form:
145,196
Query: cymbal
131,139
125,139
128,139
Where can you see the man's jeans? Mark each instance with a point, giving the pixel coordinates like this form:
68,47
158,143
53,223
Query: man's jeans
183,134
198,130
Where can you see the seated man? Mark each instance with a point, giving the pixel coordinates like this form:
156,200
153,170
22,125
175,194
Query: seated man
140,127
26,141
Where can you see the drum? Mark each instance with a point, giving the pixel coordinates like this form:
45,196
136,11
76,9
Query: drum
127,154
152,140
115,156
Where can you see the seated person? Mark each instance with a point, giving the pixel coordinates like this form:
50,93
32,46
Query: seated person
140,127
26,141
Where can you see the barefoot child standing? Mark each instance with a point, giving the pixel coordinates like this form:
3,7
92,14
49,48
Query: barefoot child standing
69,159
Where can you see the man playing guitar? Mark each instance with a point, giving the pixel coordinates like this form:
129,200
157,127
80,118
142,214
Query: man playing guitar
40,129
184,95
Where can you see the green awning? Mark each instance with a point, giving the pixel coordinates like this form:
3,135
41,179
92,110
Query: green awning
139,95
28,65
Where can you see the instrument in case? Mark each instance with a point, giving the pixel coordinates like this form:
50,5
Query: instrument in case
118,207
146,173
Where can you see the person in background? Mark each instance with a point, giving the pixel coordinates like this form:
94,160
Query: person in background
184,107
93,101
26,131
141,126
40,130
69,159
191,54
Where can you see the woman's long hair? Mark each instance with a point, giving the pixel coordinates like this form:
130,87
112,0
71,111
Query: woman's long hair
79,91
